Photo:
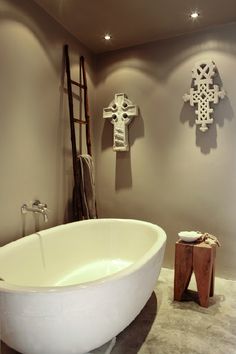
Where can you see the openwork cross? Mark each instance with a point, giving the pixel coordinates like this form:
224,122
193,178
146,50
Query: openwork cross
120,111
205,93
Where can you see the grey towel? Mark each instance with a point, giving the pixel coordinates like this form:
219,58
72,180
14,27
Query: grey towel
87,186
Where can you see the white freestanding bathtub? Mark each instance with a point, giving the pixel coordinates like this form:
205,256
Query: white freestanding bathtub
72,288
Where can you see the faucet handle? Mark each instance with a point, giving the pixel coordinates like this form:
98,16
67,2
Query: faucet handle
24,208
38,204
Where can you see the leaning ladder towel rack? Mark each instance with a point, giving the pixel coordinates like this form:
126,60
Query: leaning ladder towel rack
82,84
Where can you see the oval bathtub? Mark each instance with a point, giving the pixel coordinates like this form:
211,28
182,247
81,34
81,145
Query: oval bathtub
72,288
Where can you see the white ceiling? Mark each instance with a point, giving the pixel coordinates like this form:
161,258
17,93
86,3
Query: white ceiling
132,22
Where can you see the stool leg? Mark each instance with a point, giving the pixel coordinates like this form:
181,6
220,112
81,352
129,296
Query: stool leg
202,267
183,269
213,272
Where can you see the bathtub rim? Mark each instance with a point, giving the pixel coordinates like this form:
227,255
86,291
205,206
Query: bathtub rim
148,256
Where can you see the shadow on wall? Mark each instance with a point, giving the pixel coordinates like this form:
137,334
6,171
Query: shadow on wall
123,177
42,26
123,170
23,17
151,58
131,339
223,110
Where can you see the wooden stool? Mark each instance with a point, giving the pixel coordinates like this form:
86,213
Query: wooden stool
200,259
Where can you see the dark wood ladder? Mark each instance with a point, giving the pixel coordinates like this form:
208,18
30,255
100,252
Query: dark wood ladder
83,96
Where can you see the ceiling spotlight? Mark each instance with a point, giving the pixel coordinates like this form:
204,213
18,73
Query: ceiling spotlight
107,37
194,15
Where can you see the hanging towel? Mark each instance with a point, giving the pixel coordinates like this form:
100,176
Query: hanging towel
87,186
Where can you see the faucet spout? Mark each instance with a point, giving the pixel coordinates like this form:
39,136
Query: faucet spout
45,215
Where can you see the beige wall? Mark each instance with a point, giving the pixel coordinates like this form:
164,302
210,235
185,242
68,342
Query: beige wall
35,156
174,175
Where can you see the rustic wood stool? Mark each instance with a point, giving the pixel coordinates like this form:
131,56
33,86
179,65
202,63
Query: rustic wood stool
200,259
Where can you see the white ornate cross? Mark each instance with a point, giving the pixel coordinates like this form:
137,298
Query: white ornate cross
205,93
120,111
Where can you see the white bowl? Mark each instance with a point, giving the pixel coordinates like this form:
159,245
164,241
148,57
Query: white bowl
189,236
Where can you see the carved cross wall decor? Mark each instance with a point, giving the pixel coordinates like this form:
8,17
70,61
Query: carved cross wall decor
121,111
205,93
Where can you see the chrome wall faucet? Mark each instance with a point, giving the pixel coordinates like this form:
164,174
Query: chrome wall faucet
36,207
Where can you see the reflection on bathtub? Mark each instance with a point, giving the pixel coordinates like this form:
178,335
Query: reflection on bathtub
93,271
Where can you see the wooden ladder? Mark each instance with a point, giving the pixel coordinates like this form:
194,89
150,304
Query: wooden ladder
83,96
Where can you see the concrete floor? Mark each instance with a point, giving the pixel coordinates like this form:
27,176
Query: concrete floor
167,327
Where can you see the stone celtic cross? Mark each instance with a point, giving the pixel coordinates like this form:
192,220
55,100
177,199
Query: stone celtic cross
120,111
205,93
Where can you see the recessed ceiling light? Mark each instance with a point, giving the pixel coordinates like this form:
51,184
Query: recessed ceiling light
107,37
194,15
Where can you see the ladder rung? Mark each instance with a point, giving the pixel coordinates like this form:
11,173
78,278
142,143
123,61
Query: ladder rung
79,121
78,84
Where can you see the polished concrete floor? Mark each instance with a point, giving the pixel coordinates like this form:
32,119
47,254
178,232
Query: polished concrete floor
167,327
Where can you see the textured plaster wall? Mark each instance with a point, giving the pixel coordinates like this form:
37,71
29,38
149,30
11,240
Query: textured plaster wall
35,156
174,175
